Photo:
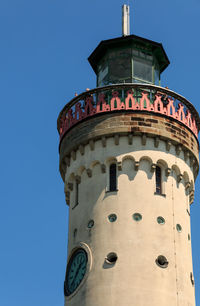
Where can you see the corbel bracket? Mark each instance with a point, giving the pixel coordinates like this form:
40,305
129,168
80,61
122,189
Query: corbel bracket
130,139
116,138
168,145
167,171
178,149
91,144
156,142
78,179
89,172
137,163
103,140
144,139
103,168
179,178
119,166
153,168
82,149
73,155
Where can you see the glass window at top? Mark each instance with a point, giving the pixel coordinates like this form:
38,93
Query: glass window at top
142,70
103,73
128,65
143,65
120,66
156,74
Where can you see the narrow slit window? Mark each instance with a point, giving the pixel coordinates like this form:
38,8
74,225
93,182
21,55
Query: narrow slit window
158,180
113,177
76,195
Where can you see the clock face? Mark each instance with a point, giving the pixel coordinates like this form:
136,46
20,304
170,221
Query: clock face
76,270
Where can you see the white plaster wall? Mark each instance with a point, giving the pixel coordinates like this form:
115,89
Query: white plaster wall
135,279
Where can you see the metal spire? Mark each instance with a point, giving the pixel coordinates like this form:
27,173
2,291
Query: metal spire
125,20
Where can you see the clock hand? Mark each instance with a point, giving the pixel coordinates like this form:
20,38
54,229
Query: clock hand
76,273
82,269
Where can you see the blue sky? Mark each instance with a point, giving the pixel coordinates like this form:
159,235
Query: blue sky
43,62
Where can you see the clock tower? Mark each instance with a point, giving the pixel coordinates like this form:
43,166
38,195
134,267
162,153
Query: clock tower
129,157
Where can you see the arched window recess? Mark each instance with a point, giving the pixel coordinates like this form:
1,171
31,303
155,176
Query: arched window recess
76,191
159,182
113,176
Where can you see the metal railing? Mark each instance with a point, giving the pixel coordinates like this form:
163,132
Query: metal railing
128,97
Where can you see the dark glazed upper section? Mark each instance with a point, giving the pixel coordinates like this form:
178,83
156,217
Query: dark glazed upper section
129,59
104,45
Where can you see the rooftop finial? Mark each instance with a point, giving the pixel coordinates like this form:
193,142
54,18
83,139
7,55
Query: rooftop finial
125,20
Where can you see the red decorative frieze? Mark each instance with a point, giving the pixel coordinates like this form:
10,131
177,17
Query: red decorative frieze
92,104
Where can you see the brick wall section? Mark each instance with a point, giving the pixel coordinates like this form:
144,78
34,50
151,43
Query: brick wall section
124,123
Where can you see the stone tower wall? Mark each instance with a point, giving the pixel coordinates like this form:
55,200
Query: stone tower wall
135,278
130,124
138,128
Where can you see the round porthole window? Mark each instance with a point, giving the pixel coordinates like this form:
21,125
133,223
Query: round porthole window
111,258
161,220
179,228
90,224
137,217
112,218
162,261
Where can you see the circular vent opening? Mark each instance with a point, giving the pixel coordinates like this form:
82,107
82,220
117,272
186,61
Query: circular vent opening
137,217
90,223
160,220
112,218
179,228
162,261
111,258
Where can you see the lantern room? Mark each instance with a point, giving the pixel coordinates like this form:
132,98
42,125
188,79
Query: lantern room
128,59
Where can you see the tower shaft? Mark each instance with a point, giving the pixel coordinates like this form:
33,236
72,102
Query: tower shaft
129,159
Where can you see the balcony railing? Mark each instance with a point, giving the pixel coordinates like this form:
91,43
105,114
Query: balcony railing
131,98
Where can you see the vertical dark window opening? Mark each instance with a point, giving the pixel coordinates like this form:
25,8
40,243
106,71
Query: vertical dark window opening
158,180
113,177
77,187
